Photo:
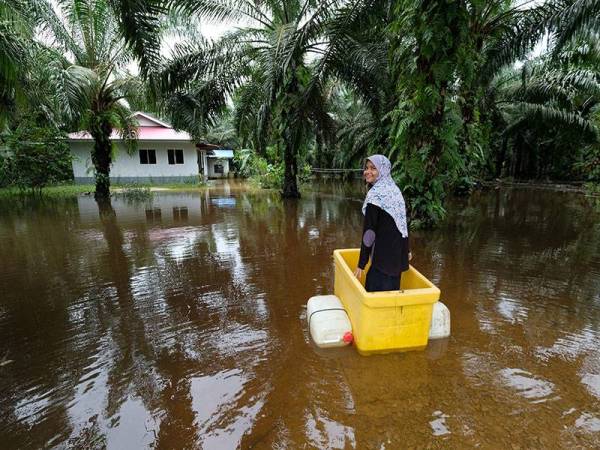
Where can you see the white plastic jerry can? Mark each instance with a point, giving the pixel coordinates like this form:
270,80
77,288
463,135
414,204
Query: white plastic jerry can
440,321
328,321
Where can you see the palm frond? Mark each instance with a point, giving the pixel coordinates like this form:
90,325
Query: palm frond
547,114
139,22
224,10
127,125
572,18
517,36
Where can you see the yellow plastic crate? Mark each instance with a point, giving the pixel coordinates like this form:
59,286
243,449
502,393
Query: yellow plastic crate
385,321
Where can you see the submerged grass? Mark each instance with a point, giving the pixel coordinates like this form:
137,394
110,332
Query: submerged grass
59,191
133,191
134,194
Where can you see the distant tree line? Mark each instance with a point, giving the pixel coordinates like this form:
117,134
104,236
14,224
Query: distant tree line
452,91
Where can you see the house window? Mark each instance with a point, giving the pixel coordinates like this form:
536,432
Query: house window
218,168
153,215
147,156
175,156
180,213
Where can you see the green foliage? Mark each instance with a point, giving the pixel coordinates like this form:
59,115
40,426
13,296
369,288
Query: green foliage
135,194
589,163
242,161
358,133
267,175
426,122
305,173
5,170
34,158
425,82
547,112
464,112
18,22
258,169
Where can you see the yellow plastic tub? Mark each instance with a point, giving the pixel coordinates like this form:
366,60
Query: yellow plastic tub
385,321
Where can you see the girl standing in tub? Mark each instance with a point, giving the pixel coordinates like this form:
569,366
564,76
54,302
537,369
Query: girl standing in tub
385,233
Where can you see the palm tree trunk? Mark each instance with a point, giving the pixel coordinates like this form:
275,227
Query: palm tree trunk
101,157
289,138
290,185
501,157
320,154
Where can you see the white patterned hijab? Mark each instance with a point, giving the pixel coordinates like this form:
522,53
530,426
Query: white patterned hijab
386,195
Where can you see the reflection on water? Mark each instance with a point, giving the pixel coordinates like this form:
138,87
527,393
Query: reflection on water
180,323
526,384
438,425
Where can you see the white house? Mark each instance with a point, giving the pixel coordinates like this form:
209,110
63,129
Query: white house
163,156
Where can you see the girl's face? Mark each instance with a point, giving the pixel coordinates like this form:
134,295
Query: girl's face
370,173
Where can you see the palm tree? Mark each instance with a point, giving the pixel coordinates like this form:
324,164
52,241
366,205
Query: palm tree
89,79
14,30
265,63
356,66
550,104
356,130
141,24
571,19
499,32
549,112
18,22
546,92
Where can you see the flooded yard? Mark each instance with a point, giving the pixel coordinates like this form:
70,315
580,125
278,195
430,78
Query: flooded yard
180,323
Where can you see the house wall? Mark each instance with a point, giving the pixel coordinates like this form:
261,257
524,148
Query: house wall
127,168
211,167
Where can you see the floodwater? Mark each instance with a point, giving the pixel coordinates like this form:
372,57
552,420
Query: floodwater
181,323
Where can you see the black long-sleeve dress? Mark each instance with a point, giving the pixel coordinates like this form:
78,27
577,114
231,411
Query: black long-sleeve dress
387,248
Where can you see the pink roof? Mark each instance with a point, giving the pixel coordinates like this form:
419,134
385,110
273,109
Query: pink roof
144,133
160,132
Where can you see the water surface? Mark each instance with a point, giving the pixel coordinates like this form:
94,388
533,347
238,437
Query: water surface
181,323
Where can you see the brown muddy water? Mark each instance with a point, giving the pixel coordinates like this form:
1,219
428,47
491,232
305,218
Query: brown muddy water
181,323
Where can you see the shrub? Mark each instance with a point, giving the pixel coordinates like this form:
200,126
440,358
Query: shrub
5,170
258,169
242,161
135,194
35,157
267,175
